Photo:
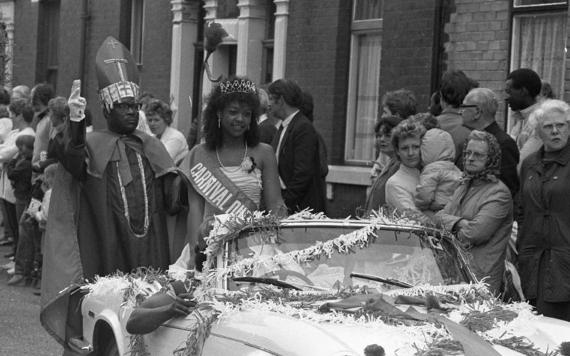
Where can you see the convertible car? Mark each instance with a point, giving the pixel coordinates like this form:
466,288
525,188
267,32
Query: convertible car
319,286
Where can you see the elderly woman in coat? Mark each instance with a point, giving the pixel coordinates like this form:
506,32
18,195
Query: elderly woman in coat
544,233
481,210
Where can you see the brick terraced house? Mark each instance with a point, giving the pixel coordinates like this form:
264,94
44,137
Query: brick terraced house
346,53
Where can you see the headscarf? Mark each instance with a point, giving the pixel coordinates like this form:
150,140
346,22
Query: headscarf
493,167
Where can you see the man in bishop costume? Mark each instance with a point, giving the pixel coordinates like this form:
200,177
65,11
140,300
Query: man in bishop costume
108,210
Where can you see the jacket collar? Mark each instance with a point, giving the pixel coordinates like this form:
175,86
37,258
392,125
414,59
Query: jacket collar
104,146
562,158
538,158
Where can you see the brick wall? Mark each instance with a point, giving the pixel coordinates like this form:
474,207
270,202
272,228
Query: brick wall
318,39
318,44
157,47
478,43
407,47
318,52
104,20
25,43
69,46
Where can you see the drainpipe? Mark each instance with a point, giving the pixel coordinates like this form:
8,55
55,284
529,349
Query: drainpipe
438,27
85,16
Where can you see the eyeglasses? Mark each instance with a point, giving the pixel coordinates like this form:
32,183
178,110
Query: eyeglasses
463,107
559,126
478,156
127,106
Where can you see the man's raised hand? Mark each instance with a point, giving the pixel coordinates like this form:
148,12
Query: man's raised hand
76,102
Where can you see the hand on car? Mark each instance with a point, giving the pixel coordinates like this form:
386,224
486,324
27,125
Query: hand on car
182,305
461,224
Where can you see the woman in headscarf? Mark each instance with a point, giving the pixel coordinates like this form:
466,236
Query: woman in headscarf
481,210
544,233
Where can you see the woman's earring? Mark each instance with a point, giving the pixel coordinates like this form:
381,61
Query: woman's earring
219,122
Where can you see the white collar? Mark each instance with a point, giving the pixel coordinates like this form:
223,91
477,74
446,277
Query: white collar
288,119
528,110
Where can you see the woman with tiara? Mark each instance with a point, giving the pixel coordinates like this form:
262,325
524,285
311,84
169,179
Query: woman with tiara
231,172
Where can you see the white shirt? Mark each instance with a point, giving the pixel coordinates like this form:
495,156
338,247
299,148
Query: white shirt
401,187
175,144
8,150
285,124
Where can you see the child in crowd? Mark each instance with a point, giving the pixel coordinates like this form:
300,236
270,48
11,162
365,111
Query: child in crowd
383,130
19,172
440,177
34,222
41,215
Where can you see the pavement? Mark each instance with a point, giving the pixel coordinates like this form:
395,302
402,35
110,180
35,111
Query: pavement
20,330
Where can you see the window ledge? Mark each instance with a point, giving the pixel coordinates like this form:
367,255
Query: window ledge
351,175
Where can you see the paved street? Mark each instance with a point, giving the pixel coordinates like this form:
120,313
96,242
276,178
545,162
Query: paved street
20,329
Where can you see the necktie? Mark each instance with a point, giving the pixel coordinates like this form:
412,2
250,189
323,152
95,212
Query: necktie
277,139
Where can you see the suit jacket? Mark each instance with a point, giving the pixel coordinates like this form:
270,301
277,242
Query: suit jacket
509,157
299,166
267,130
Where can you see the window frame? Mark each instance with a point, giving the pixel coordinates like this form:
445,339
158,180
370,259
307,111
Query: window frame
267,61
559,5
530,10
137,30
358,29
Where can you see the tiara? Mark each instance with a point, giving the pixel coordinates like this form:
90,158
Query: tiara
238,86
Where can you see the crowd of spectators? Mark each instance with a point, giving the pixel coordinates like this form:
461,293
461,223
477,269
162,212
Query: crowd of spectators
453,167
456,168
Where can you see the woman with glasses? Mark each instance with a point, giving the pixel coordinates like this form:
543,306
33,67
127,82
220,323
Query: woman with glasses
480,212
544,232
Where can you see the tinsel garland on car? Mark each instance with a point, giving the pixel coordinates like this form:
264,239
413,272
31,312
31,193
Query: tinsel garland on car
343,244
477,310
470,305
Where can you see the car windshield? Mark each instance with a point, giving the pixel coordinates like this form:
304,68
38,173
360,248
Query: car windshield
413,257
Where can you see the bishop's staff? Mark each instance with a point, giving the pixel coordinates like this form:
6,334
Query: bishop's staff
214,34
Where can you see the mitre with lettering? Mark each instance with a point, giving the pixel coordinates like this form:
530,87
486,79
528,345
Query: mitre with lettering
117,73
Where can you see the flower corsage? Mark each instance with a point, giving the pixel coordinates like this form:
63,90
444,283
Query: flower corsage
248,165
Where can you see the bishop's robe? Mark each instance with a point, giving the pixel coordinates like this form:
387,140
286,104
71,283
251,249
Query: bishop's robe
107,186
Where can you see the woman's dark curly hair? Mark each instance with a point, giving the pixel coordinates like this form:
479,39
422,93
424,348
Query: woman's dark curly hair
217,102
386,124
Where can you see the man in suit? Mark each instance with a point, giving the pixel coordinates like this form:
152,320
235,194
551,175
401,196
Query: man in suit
478,112
296,146
267,124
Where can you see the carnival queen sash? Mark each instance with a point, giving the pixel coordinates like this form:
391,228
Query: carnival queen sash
213,185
